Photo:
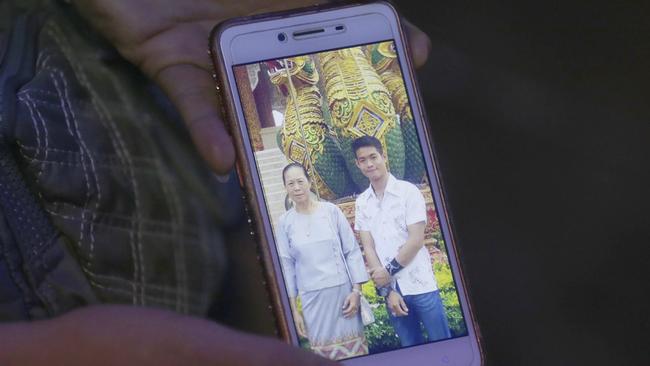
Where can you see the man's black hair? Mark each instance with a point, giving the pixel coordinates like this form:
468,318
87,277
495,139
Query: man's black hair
367,141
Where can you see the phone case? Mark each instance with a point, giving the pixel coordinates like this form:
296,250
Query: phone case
253,211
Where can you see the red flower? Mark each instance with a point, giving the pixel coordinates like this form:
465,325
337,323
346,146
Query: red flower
432,219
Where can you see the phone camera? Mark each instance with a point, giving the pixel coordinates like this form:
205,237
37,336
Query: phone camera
282,37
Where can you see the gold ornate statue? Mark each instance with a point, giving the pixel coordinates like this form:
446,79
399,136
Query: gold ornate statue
384,59
305,136
360,104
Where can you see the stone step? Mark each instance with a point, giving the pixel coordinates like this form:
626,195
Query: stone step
271,175
272,178
277,160
270,163
276,196
268,152
275,199
272,160
267,156
275,186
273,165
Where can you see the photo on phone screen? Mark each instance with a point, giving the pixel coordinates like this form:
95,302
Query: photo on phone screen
323,127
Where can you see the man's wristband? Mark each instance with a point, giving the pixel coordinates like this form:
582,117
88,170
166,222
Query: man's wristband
393,267
384,291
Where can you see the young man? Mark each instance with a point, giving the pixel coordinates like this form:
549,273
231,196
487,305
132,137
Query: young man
390,216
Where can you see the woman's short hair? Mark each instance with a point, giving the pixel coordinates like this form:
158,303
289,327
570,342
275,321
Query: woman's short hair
294,165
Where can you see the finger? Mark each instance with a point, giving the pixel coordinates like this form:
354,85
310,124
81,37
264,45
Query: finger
301,329
191,90
399,311
403,307
348,312
346,303
419,43
396,311
393,307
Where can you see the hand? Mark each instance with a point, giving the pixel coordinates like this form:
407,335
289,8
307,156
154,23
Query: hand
396,305
125,335
380,276
299,321
351,304
167,40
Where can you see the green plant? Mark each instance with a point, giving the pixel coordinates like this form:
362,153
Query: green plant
380,334
450,299
439,241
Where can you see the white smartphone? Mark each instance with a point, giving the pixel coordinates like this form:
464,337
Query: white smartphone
343,189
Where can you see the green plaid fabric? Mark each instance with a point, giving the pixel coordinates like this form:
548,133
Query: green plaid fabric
137,215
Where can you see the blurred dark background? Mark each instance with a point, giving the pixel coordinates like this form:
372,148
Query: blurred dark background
541,117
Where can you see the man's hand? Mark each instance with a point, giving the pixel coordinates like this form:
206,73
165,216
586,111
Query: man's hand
396,305
351,304
168,40
380,276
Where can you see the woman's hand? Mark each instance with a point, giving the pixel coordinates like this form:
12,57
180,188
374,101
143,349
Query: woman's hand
351,304
167,40
299,321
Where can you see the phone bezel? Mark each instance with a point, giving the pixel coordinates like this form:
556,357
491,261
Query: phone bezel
227,41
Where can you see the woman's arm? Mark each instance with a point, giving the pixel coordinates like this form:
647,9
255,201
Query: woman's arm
286,259
350,247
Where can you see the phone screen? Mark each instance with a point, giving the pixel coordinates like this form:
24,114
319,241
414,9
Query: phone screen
350,201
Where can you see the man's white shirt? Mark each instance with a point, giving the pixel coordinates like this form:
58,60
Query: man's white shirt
387,221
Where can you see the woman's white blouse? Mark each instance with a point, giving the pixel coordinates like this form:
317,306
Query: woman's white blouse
310,248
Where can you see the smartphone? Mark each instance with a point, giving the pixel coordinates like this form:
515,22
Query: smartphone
344,193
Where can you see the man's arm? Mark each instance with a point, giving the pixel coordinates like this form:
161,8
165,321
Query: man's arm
414,243
416,219
416,216
405,255
126,335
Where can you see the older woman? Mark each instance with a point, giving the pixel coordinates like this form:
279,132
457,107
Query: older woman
323,266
